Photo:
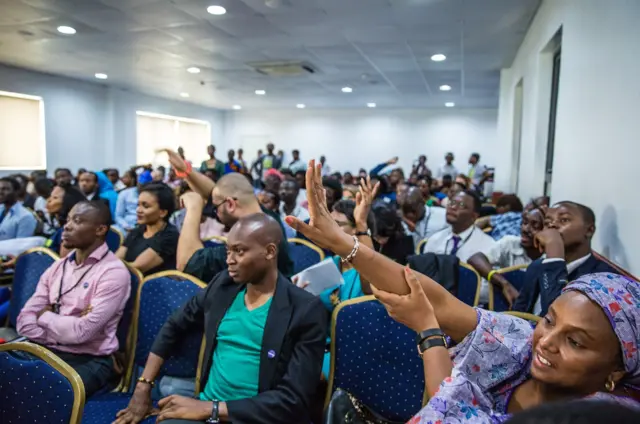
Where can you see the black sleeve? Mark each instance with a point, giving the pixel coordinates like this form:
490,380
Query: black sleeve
132,237
527,297
554,277
207,262
293,397
165,243
189,318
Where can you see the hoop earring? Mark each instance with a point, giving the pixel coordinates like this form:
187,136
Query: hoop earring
610,385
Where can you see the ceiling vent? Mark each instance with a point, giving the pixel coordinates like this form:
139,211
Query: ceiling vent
283,69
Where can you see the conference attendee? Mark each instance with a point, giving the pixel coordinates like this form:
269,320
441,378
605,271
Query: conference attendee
566,243
63,176
476,170
424,184
212,164
269,201
88,185
326,169
420,168
79,300
447,168
42,189
256,167
395,177
297,164
24,197
289,192
302,194
265,339
461,238
151,245
390,237
242,162
501,365
279,163
76,179
59,205
16,221
114,176
511,251
126,216
231,198
421,221
267,161
461,182
232,165
508,219
157,175
333,190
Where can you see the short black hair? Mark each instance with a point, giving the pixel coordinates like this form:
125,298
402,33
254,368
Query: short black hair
102,211
333,184
95,176
43,187
388,222
132,174
348,207
476,155
15,184
67,170
512,201
72,196
587,213
301,172
447,177
295,151
165,196
577,412
477,202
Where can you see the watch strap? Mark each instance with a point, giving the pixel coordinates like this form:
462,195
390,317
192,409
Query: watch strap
215,413
432,332
363,233
427,344
141,379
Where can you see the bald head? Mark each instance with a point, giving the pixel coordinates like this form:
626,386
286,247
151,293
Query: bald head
237,186
414,196
252,249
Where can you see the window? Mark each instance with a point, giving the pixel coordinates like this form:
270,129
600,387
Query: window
22,139
551,141
162,131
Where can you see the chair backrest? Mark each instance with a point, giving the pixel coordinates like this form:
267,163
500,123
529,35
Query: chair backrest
159,296
30,266
304,254
125,326
514,275
114,239
374,358
420,246
38,387
214,241
533,319
469,285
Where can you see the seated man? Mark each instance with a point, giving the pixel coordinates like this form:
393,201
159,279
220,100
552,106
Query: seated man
421,221
566,240
264,340
231,198
79,300
16,221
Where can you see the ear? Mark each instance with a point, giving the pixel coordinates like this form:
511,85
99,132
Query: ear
163,213
591,229
616,376
272,251
101,231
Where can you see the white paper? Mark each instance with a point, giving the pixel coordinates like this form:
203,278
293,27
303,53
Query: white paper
320,277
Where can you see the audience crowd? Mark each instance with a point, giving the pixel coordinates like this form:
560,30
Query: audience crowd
400,235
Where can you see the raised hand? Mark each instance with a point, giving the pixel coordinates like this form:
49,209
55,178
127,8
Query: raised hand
364,200
175,160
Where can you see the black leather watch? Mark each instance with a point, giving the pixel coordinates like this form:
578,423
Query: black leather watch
215,413
427,344
363,233
432,332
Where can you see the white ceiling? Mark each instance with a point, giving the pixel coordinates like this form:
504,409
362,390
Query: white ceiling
381,48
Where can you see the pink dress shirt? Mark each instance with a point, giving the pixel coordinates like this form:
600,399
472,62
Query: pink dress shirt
105,287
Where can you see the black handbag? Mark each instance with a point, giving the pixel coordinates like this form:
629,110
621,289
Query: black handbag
344,408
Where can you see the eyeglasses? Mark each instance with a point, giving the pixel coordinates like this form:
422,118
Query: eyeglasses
457,204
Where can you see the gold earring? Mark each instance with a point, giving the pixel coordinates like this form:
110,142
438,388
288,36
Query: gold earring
610,385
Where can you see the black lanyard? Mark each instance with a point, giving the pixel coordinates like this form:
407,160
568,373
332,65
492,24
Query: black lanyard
446,246
426,224
56,306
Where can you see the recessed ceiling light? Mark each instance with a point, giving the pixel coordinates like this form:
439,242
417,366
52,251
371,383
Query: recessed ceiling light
445,87
101,76
193,70
185,95
216,10
237,107
438,57
347,89
300,106
371,105
449,104
261,92
67,30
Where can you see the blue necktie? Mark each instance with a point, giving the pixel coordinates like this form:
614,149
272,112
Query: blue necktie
456,245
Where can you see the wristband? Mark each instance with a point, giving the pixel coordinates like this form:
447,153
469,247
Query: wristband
491,274
145,381
429,343
187,172
215,413
353,253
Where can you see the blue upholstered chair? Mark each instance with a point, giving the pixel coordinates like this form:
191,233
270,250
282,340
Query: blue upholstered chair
214,241
30,266
304,254
375,359
159,295
469,284
533,319
420,246
114,239
38,387
514,275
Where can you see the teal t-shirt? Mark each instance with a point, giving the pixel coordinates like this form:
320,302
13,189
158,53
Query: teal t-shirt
236,359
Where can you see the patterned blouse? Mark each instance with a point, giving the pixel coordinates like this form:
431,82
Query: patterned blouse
488,365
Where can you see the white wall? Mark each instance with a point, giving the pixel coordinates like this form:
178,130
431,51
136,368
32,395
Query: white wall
354,139
598,124
92,125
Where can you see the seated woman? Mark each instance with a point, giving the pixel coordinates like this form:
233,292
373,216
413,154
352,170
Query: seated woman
511,251
391,239
586,346
151,246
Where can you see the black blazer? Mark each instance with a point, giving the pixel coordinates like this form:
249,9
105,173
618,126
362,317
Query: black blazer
548,279
296,330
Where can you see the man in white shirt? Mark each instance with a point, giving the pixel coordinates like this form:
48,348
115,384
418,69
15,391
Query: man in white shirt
326,170
420,221
447,168
476,170
289,191
297,164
